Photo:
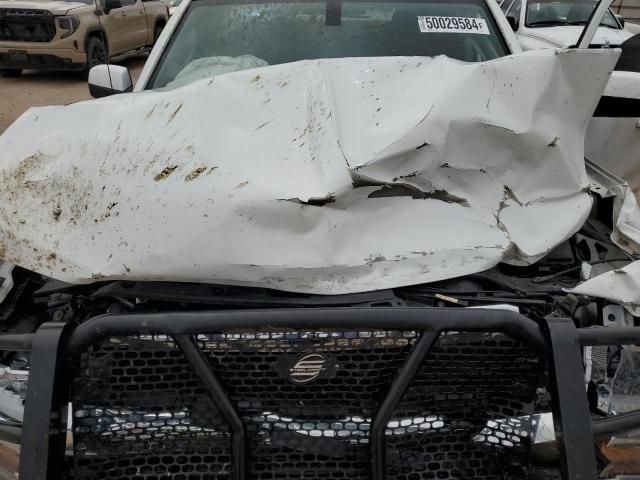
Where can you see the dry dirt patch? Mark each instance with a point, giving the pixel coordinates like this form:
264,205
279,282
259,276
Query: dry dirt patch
37,89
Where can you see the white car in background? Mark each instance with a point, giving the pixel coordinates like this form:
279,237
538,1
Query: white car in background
632,27
173,6
558,23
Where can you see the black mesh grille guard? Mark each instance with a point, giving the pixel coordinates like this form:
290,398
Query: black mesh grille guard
377,393
307,399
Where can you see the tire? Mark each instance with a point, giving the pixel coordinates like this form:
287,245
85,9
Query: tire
157,32
10,72
96,55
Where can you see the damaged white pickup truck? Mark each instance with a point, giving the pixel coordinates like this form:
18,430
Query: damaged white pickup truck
322,240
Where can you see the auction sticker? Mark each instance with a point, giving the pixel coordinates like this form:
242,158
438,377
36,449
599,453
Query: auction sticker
453,25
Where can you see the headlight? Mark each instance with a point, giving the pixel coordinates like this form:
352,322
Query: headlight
68,25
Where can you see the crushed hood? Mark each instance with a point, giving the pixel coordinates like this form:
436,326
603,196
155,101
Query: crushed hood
325,176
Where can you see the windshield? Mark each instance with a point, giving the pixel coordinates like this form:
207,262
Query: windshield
215,38
541,13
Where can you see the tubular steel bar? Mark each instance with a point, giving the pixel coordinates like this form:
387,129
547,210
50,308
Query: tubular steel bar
202,370
421,319
17,342
42,452
398,388
608,336
616,424
571,417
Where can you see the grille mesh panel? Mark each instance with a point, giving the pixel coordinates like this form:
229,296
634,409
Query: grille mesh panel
469,404
22,25
366,363
141,413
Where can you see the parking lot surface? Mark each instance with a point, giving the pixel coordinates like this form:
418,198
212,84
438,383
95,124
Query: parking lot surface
37,89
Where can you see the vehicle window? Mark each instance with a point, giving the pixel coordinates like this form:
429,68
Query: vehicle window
128,3
515,9
506,5
215,38
542,13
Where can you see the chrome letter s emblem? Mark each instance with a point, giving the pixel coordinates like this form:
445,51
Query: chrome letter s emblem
308,368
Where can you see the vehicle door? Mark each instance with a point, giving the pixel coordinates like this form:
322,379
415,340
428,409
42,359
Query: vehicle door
125,23
613,138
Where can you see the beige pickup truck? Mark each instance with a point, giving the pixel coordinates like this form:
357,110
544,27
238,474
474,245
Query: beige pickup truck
74,35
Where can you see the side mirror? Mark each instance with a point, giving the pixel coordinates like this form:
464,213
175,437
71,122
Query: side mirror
513,22
111,5
105,80
621,20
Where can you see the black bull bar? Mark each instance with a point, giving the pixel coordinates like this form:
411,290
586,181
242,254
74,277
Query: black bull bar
55,348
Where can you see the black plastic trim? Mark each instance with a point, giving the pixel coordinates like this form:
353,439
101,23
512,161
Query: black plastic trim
618,107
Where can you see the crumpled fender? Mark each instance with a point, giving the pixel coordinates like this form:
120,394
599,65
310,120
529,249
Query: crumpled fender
621,285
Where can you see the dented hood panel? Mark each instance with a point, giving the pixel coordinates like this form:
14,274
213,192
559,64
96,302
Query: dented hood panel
325,176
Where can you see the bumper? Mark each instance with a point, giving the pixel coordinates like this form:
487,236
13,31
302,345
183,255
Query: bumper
380,393
42,59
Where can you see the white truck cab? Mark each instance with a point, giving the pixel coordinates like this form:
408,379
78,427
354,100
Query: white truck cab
559,23
613,138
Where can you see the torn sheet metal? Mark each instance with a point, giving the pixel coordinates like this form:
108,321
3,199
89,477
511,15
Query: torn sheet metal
615,144
325,176
626,217
626,214
621,285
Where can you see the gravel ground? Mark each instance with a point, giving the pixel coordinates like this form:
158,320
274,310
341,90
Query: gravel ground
37,89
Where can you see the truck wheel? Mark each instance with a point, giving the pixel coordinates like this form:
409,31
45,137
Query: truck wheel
10,72
156,33
96,55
